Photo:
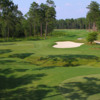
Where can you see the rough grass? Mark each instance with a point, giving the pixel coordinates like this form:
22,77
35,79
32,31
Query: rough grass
33,70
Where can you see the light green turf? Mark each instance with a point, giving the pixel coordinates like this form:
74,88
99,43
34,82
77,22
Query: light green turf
33,70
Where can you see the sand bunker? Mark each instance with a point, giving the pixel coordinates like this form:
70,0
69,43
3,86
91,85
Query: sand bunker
67,44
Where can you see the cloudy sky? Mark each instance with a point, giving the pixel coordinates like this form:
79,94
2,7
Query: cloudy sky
64,8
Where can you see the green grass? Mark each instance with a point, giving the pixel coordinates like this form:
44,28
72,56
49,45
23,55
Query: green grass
82,88
34,70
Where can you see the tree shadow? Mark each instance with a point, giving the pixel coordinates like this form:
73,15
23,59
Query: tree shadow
37,39
21,56
10,81
44,68
10,71
7,44
21,70
7,71
81,90
2,51
38,93
7,61
15,88
13,82
70,35
67,60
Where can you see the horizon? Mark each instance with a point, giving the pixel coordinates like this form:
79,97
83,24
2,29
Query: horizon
64,9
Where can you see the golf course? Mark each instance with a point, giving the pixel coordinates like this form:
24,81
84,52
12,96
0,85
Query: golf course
49,50
35,70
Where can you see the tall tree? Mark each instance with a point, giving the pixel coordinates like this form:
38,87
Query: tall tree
34,15
41,17
94,13
10,16
50,14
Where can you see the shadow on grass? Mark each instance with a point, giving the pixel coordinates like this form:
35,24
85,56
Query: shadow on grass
15,88
7,61
21,39
2,51
21,70
44,68
38,93
7,44
21,56
67,60
81,90
12,62
14,82
6,71
10,71
72,36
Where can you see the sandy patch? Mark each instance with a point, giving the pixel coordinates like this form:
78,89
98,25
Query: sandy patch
67,44
98,42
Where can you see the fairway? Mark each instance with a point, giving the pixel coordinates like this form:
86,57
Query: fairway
82,88
34,70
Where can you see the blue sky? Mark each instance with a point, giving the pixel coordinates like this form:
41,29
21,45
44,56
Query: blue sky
64,8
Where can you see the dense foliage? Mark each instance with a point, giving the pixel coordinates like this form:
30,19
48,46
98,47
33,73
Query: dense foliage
93,15
79,23
40,19
10,20
92,37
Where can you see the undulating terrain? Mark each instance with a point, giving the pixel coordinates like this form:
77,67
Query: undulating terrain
34,70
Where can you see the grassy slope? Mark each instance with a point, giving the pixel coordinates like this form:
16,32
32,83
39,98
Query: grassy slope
82,88
28,69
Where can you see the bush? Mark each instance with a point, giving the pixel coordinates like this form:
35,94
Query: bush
92,37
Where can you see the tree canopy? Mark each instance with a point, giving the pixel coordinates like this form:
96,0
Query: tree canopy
93,14
40,20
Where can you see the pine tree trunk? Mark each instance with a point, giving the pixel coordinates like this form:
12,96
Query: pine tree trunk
25,34
89,27
46,29
34,29
41,29
8,33
94,26
30,30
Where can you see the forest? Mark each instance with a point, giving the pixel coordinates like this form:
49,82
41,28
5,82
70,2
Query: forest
37,21
40,20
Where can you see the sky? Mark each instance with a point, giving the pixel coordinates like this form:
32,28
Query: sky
65,9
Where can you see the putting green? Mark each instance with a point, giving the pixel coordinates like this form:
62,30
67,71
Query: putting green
81,88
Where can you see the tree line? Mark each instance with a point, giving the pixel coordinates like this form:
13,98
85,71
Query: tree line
92,20
10,19
39,20
79,23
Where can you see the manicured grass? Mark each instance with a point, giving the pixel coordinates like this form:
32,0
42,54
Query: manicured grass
82,88
34,70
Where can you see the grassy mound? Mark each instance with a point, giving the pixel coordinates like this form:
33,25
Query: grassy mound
82,88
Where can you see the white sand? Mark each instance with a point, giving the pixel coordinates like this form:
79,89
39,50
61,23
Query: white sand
98,42
67,44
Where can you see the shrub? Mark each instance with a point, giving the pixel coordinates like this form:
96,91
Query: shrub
92,37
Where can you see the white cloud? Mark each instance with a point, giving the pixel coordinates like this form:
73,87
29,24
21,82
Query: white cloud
67,4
